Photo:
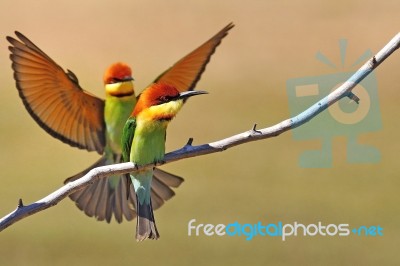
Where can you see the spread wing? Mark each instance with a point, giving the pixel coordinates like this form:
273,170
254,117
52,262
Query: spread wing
185,73
54,98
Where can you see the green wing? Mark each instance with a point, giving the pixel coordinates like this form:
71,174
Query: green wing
127,136
126,142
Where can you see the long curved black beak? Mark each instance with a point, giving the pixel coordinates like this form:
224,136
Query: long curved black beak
187,94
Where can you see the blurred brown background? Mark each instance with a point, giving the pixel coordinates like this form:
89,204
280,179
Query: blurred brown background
272,42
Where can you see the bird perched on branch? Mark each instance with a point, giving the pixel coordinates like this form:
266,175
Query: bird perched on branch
56,101
143,142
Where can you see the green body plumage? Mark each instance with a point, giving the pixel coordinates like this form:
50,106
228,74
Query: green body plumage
145,144
143,140
116,112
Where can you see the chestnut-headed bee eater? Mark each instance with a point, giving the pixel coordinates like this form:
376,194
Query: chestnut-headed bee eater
143,142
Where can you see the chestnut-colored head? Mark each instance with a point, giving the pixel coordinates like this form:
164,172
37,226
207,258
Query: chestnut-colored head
162,101
154,95
117,72
118,80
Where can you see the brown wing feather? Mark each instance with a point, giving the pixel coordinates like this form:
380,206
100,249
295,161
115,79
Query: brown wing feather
185,73
54,98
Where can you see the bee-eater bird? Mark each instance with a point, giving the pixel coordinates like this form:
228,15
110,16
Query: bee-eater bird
143,142
56,101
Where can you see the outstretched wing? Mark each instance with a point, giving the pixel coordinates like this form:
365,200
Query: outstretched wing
185,73
54,98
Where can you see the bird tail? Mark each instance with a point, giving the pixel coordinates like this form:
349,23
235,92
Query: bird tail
107,197
161,187
146,225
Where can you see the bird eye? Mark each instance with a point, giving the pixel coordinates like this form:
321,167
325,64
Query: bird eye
164,99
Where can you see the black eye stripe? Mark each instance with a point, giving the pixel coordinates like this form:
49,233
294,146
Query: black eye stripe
166,98
115,80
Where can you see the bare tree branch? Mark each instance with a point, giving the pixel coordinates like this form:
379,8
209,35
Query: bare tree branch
191,151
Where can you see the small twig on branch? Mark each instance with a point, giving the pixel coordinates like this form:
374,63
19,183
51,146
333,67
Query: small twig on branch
188,150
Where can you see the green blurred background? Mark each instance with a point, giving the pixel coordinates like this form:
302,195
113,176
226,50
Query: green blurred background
272,42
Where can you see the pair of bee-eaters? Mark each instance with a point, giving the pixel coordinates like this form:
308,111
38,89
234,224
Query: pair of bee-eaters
123,127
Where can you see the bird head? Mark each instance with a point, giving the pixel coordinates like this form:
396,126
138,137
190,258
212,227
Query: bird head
161,102
118,80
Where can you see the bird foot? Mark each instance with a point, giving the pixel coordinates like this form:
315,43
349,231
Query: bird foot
159,162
